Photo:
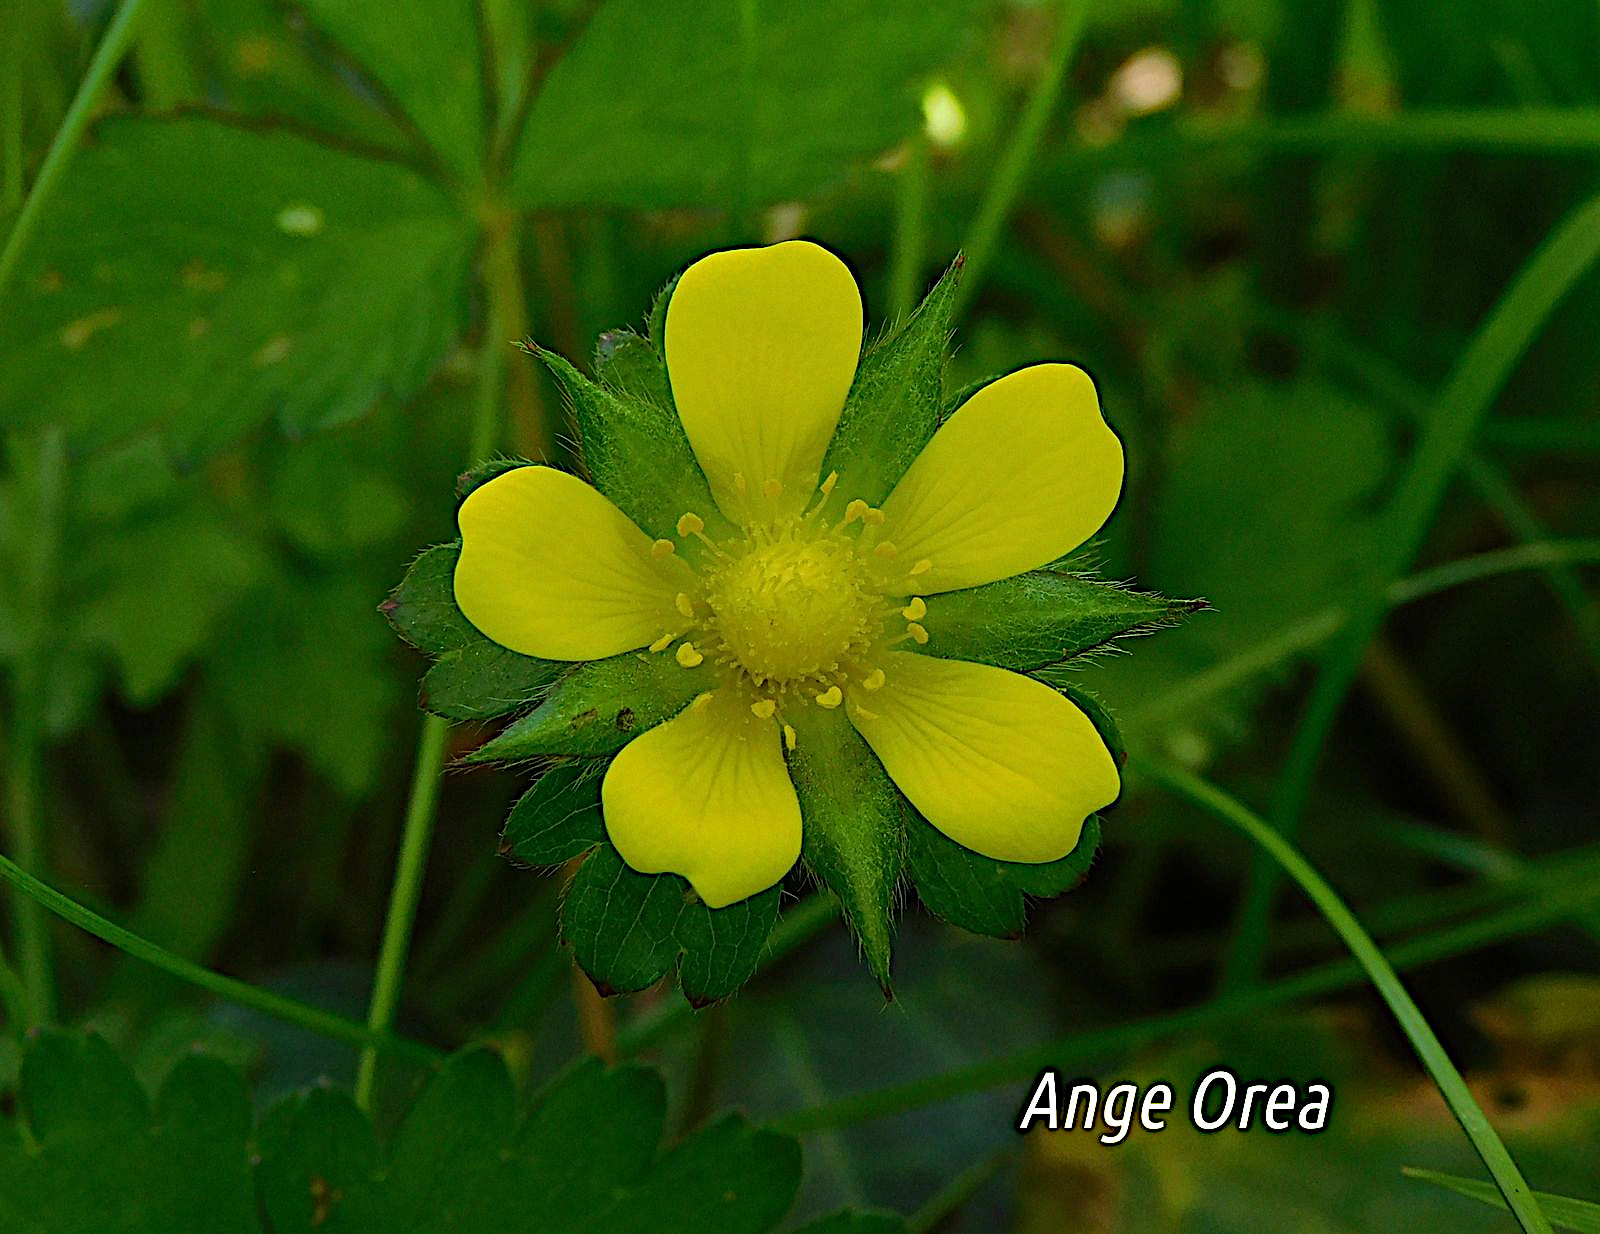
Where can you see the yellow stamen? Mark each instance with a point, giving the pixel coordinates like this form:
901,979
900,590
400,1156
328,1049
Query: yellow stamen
684,604
916,610
873,516
917,633
662,643
763,708
922,567
772,490
886,551
690,658
830,698
859,710
701,701
662,549
873,680
856,509
740,483
789,737
690,524
826,487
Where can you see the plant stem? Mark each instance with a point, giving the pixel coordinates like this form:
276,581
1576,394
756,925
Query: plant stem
1546,904
414,837
241,992
1566,254
1382,975
909,244
101,68
1011,173
508,324
956,1193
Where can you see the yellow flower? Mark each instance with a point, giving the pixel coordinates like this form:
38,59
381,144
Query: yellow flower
798,595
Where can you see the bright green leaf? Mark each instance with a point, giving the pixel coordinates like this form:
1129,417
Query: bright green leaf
1564,1212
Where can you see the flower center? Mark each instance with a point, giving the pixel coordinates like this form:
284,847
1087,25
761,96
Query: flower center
792,608
797,611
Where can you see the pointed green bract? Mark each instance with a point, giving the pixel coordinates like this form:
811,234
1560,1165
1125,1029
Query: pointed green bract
628,364
984,895
558,818
628,929
636,453
600,706
472,677
1042,618
854,833
894,403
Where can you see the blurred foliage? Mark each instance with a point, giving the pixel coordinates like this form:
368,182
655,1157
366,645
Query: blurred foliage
257,315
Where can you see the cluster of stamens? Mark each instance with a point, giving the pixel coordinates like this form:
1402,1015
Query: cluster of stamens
794,610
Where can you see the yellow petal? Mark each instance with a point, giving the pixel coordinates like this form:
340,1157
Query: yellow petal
552,569
1001,764
761,346
707,796
1024,472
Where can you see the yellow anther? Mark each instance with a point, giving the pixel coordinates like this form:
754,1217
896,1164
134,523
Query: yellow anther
772,490
788,737
886,551
763,708
917,633
684,604
662,549
916,610
856,709
690,658
873,680
830,698
922,567
662,643
701,701
826,487
856,509
873,516
740,483
690,524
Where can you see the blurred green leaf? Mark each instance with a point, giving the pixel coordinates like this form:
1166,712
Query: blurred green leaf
200,277
724,104
426,57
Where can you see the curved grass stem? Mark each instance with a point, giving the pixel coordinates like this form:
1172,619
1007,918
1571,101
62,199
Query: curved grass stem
1519,1197
235,991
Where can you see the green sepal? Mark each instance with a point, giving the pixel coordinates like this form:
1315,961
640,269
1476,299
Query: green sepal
981,894
472,678
625,363
558,818
894,404
637,454
600,706
479,474
627,930
854,834
657,324
1041,618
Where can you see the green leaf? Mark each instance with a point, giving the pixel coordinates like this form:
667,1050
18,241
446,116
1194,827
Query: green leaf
1564,1212
1041,618
427,58
895,401
628,364
637,454
724,103
984,895
854,833
473,678
212,276
628,929
599,707
466,1158
558,818
109,1164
